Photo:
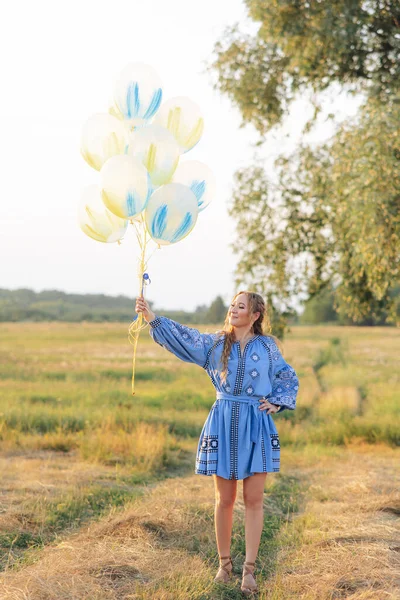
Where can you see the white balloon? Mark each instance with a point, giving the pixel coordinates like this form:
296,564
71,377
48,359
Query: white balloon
103,136
156,148
171,213
96,220
183,118
124,185
138,92
199,178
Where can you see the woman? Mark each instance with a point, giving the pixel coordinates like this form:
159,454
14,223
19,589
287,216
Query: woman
239,439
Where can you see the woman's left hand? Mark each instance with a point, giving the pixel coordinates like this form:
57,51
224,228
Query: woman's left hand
270,408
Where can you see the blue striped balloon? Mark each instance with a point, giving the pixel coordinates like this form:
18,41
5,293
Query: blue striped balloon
138,93
199,178
125,186
171,213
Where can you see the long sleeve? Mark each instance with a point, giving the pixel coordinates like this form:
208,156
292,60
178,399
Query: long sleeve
186,343
284,381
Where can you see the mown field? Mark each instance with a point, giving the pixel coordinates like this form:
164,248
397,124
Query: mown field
75,445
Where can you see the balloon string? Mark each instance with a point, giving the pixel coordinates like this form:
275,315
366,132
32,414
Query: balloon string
137,324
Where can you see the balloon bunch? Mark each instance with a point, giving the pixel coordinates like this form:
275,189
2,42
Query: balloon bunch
137,148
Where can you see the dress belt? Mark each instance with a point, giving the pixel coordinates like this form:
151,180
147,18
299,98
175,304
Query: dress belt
254,421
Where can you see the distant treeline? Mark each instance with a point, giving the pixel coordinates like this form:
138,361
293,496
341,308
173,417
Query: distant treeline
53,305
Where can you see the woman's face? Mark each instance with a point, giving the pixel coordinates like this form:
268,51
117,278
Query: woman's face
239,312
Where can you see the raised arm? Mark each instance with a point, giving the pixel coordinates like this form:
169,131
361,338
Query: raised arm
186,343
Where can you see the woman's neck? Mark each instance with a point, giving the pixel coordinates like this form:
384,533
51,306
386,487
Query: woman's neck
242,334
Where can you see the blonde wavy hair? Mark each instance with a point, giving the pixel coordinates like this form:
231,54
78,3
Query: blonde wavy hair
262,326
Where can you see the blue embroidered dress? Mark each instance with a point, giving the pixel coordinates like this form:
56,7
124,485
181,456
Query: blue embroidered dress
237,439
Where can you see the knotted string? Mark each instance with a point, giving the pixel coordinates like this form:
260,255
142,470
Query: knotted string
137,324
136,327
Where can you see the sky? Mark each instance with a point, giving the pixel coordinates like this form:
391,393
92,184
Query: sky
60,63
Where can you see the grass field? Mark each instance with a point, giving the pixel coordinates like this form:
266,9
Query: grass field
77,449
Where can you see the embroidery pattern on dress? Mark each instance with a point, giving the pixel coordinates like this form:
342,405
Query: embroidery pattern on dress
234,441
208,472
275,353
213,381
220,341
275,441
264,458
254,373
286,386
155,322
241,367
209,443
266,346
275,452
192,335
288,400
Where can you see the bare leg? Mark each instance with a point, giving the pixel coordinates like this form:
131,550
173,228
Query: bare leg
253,496
225,496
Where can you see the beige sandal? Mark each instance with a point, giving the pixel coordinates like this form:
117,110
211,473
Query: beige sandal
249,585
224,574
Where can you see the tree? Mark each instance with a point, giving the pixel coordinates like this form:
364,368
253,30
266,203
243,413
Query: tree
217,311
333,218
303,44
319,309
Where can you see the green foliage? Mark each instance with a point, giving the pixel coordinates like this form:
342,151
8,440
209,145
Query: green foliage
20,539
332,221
53,305
320,308
341,203
217,311
70,512
333,354
301,45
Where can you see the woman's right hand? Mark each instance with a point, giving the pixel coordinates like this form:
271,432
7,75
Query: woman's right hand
143,307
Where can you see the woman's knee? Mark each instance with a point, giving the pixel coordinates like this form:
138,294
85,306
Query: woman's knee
225,493
225,500
253,491
253,502
253,498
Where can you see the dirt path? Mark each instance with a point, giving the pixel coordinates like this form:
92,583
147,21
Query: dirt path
331,530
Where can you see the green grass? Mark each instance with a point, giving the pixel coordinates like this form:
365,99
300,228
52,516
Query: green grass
71,378
66,388
63,515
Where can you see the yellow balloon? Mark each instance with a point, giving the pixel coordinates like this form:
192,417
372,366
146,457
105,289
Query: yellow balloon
130,124
96,221
103,136
124,186
157,149
182,117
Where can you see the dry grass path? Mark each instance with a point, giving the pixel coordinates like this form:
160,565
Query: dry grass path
331,531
